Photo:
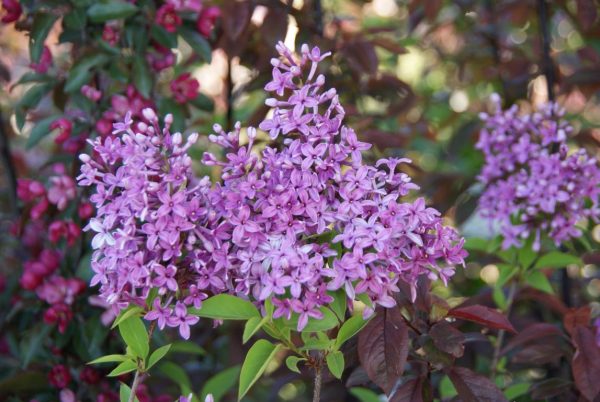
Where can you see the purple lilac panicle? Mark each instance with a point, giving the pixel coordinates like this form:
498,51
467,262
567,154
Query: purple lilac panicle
149,214
300,220
533,184
310,216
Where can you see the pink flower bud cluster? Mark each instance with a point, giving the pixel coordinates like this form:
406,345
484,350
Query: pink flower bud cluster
534,185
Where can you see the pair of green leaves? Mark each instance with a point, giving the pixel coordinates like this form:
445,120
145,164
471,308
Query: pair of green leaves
134,333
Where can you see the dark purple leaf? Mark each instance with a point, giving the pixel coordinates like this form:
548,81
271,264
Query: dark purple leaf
432,8
383,347
586,362
410,391
550,388
236,17
587,13
538,354
576,317
448,339
389,44
398,94
532,333
472,387
482,315
274,25
361,56
4,73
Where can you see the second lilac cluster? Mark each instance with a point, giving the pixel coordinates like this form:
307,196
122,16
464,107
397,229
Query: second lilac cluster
534,185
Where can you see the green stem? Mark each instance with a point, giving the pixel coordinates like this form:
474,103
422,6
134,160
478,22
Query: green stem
136,383
509,302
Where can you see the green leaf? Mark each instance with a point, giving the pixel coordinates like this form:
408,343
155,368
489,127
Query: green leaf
31,345
81,72
516,390
255,364
446,387
338,305
269,308
135,336
125,393
125,367
75,19
41,129
538,280
197,42
556,259
32,77
163,37
77,78
109,359
364,394
111,10
508,256
203,102
335,363
141,76
187,347
125,314
349,329
476,244
292,363
42,24
328,321
157,355
220,384
30,99
252,326
499,298
178,375
526,255
506,272
226,307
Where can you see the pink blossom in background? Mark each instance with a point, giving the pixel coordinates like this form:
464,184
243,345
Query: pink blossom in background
186,5
121,104
59,376
64,126
184,88
45,62
12,11
160,57
62,189
207,19
91,93
167,17
28,189
110,34
66,395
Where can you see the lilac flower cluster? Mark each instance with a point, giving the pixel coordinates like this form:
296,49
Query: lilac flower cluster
311,216
533,184
148,212
304,218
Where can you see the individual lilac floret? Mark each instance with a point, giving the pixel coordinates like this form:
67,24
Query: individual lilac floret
310,217
150,215
533,184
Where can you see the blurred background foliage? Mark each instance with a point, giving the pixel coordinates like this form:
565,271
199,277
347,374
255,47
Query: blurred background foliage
413,77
